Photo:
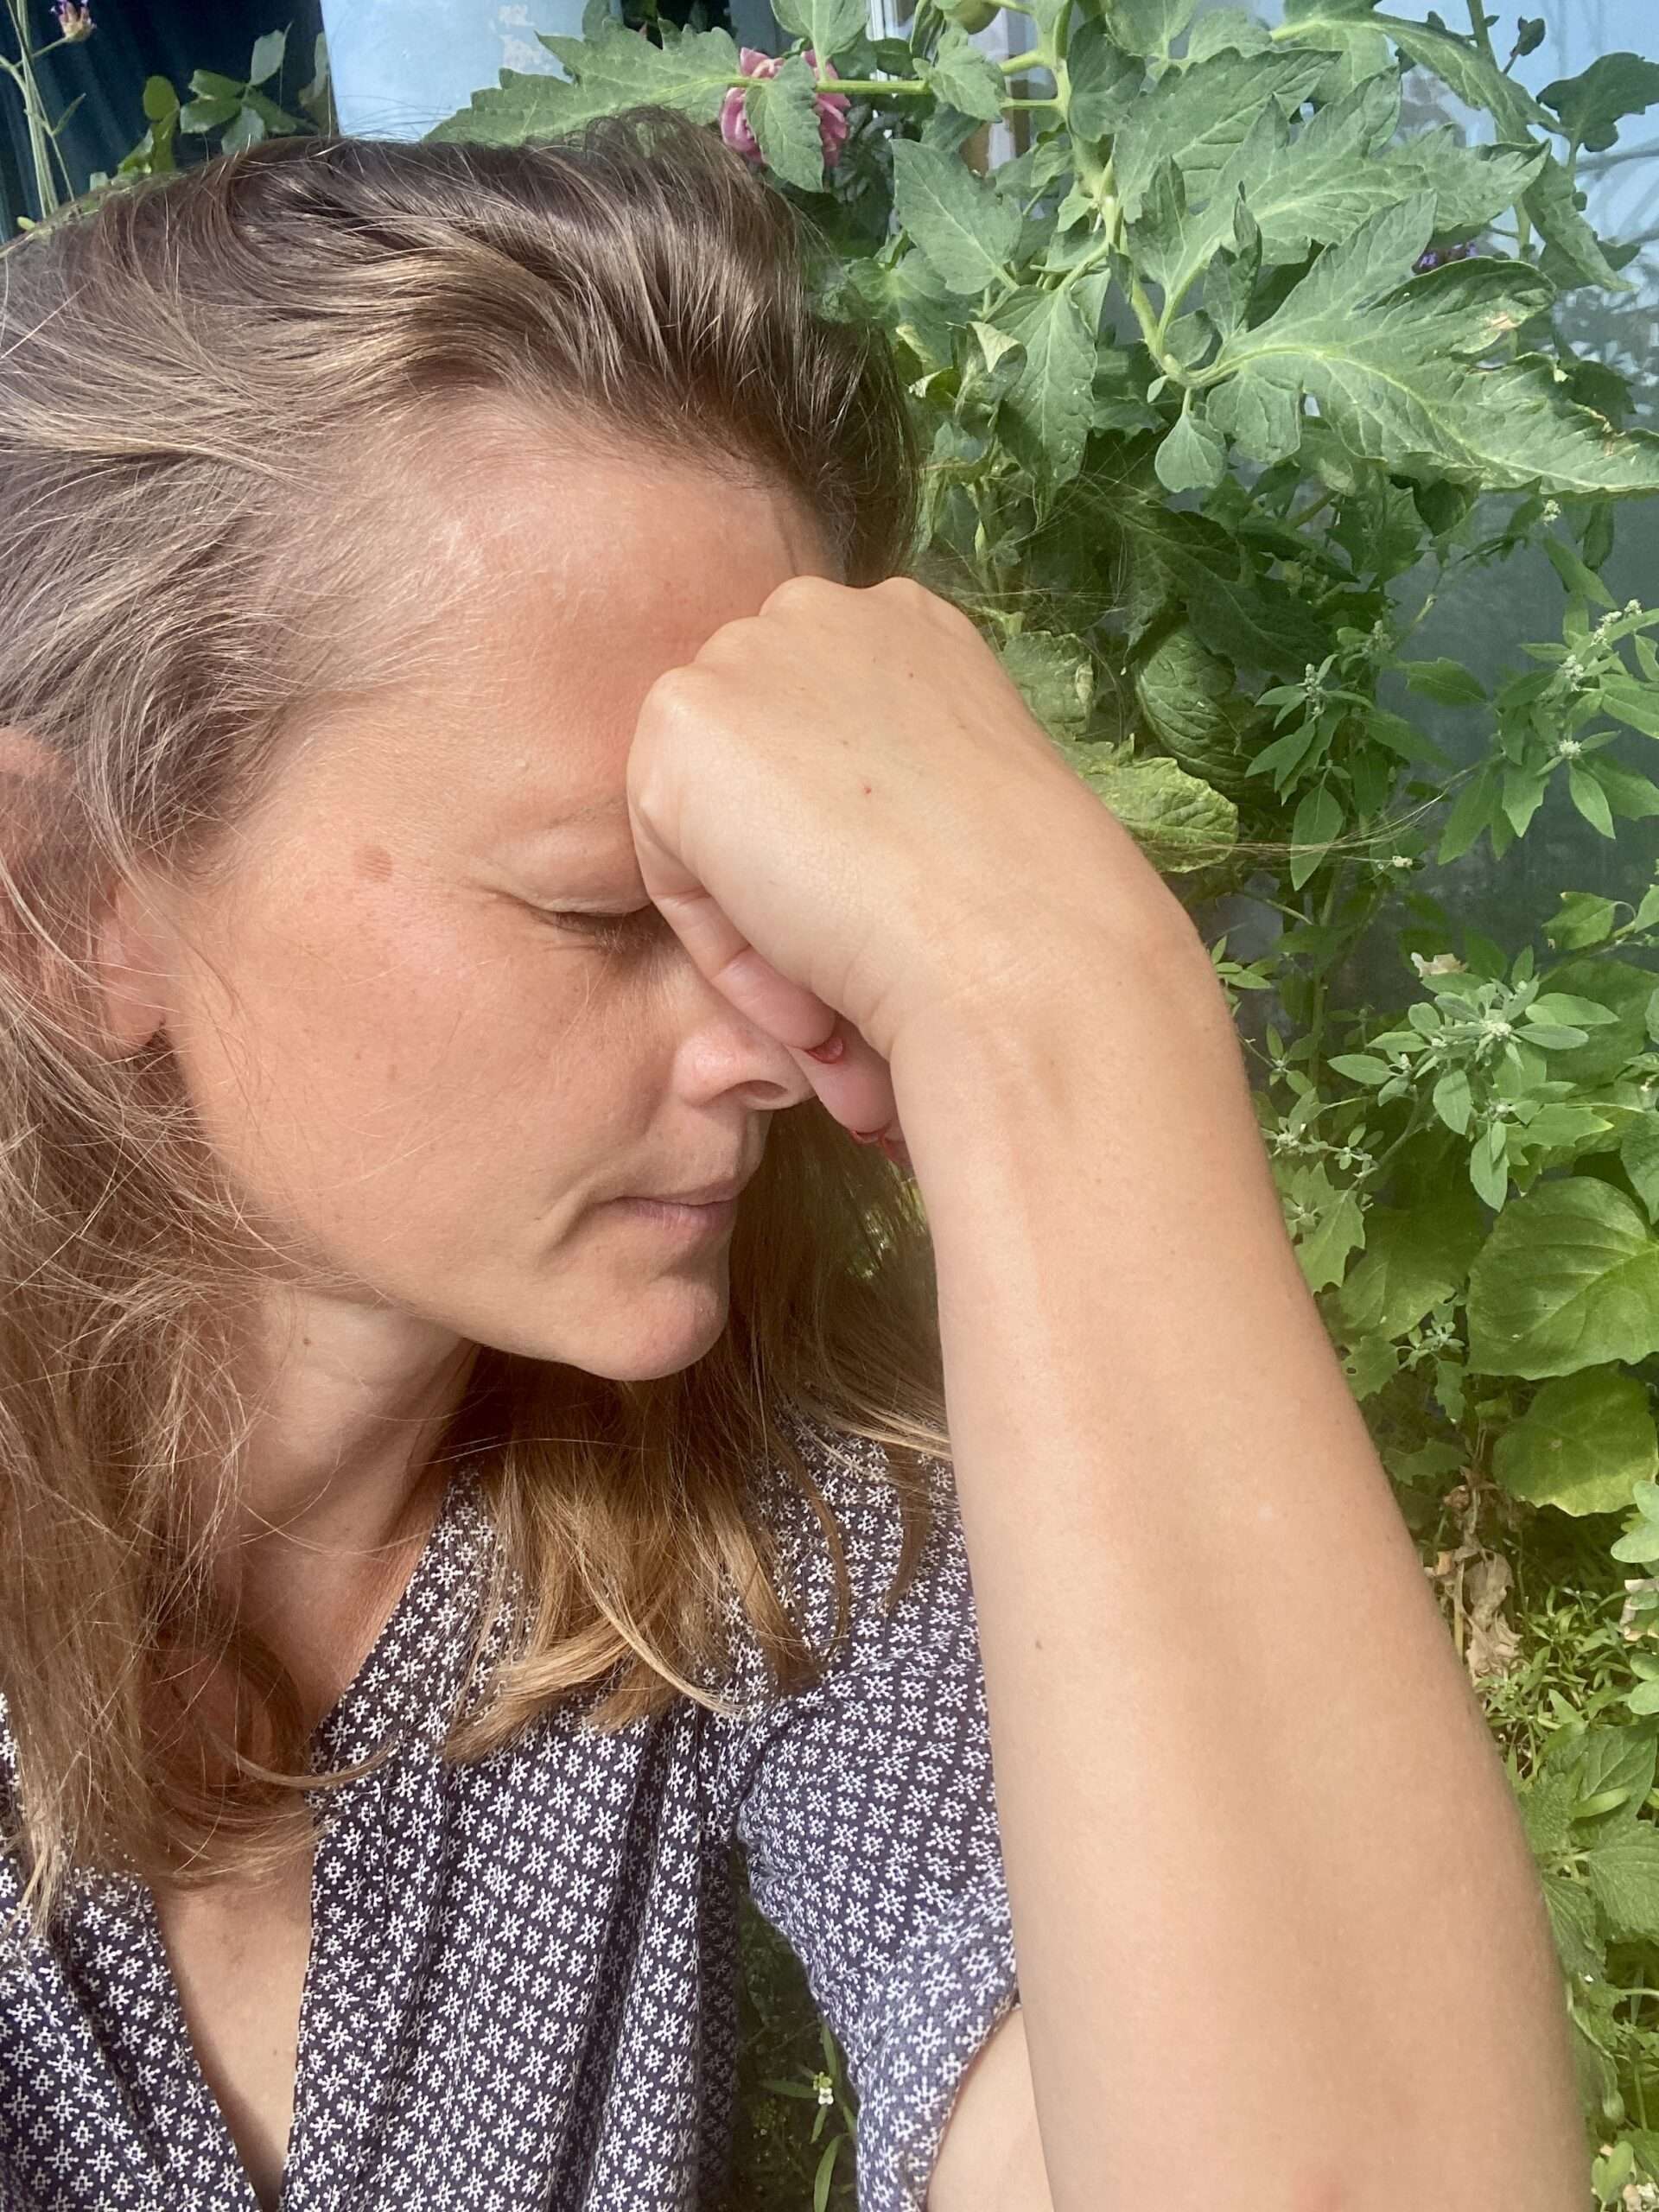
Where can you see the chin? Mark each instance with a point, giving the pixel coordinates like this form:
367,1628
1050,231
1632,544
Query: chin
644,1361
657,1326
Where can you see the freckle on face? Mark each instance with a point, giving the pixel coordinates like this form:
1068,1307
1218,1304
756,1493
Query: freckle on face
372,863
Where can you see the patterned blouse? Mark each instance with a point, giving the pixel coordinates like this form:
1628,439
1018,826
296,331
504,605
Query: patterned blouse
522,1989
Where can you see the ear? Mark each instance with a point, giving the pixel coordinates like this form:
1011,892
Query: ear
127,949
126,944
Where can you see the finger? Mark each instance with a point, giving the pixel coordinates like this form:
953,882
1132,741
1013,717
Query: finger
856,1083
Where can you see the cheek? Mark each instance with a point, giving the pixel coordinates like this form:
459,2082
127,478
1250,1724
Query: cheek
341,1054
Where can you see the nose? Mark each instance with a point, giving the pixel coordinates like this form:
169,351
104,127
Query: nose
721,1049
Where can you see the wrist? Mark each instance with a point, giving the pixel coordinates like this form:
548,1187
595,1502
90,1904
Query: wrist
1017,1004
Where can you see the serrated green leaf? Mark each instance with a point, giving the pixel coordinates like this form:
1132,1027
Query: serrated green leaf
963,76
1191,458
616,70
961,222
1456,61
1317,187
1593,105
1623,1878
1053,675
1191,702
1178,559
1046,412
1262,414
1615,1764
784,116
1165,241
1573,1925
994,345
1148,26
1338,1229
1415,1258
1568,1278
1582,1445
1196,117
1104,81
1224,29
828,27
1384,359
1471,184
1550,201
1180,821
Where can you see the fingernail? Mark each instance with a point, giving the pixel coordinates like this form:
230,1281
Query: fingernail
867,1136
830,1051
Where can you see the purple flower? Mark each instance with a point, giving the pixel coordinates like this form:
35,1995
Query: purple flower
734,123
75,22
1437,257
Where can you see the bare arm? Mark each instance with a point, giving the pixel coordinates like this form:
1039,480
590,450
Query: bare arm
1278,1930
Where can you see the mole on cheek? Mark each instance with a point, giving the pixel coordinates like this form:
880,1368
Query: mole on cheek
373,862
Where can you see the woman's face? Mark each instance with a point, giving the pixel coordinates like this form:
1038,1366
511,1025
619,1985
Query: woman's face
406,1067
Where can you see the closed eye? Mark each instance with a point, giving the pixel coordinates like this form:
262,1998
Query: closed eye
612,931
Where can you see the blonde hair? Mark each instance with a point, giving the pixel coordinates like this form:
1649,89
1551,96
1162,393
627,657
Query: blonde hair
195,379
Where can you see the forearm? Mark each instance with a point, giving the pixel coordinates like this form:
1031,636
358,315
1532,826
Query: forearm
1280,1938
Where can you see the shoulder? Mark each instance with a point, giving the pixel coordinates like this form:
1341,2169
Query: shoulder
866,1553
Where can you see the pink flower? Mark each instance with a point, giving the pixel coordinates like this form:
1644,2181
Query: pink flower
734,123
75,22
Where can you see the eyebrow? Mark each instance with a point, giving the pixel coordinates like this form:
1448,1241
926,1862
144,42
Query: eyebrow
590,812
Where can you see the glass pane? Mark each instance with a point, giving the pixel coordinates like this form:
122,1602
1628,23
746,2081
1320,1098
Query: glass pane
1494,611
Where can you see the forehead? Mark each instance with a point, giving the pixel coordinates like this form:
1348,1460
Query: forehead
558,586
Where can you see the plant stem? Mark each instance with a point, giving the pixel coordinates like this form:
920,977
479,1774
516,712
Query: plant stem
1478,25
909,85
28,87
1154,337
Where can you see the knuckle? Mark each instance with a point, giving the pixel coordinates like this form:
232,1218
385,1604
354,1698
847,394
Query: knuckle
805,590
910,591
674,697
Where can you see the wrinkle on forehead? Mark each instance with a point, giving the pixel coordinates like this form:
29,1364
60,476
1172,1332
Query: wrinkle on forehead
534,583
481,479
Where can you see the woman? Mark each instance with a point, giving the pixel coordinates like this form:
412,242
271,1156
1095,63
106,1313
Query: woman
482,794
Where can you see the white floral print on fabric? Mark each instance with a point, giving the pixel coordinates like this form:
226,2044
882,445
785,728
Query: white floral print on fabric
522,1993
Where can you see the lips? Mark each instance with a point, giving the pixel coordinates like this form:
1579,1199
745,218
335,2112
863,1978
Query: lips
709,1194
